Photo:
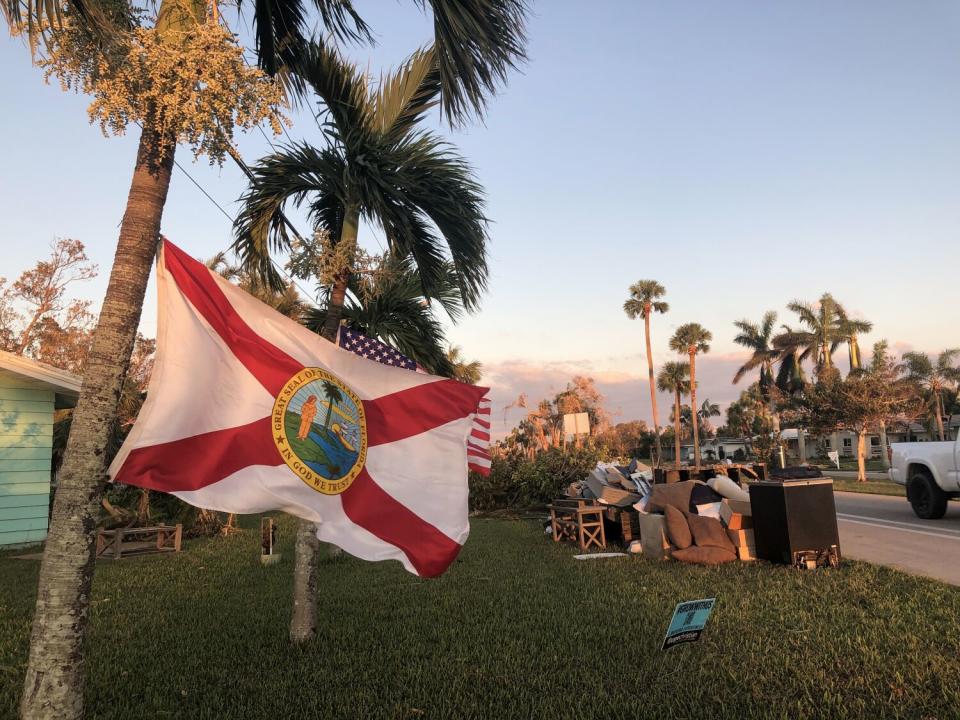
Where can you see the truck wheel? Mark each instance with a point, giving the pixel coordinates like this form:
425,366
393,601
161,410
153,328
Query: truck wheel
929,501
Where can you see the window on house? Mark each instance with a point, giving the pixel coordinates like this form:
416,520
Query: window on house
875,441
848,442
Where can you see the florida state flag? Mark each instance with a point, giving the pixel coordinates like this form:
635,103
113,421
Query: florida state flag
248,412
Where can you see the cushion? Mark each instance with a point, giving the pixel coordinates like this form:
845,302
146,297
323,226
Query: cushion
702,494
709,532
728,488
676,494
704,555
709,510
678,531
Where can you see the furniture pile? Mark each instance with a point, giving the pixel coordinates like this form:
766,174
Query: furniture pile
704,516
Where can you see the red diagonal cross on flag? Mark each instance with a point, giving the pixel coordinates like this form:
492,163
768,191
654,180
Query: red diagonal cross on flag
248,412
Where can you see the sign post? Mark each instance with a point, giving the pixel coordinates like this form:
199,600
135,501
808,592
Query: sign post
689,619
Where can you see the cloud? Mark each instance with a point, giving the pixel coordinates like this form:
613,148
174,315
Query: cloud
622,380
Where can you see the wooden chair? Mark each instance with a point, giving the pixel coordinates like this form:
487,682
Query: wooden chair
578,519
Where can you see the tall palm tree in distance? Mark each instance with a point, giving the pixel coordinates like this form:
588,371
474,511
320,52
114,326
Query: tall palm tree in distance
708,410
642,303
934,377
758,338
674,377
692,339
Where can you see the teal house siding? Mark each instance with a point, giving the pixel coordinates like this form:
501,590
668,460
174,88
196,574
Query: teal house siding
29,394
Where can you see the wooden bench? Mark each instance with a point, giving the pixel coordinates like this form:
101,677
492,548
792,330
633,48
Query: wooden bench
579,520
123,541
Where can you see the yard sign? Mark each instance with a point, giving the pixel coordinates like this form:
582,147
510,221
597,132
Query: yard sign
688,621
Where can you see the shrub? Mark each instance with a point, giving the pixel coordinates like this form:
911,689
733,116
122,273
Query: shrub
516,481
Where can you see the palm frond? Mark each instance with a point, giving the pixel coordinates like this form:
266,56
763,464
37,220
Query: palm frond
691,335
755,361
633,308
430,181
340,85
947,359
404,96
674,375
280,28
289,175
104,20
478,42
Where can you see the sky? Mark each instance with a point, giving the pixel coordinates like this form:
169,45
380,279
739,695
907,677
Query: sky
742,153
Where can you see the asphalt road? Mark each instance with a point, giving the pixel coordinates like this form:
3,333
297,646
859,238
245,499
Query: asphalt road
883,529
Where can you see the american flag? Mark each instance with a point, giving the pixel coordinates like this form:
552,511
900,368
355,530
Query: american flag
373,349
478,444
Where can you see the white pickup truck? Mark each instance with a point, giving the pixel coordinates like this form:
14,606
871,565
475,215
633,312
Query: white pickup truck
931,473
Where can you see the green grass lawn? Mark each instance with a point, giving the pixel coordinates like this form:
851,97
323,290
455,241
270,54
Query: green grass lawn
849,464
516,629
875,487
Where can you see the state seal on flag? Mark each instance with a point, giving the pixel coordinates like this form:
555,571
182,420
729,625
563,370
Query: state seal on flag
320,430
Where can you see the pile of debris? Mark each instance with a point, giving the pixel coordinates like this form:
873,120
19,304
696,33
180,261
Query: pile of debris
703,516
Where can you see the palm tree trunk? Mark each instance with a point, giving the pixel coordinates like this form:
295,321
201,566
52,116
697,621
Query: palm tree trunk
854,350
676,429
938,409
862,456
303,624
653,387
884,459
53,686
693,410
338,294
772,401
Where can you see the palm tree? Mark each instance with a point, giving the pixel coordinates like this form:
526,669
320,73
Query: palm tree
478,42
848,330
642,303
379,165
823,333
758,338
53,684
674,377
934,378
708,410
692,338
791,378
334,396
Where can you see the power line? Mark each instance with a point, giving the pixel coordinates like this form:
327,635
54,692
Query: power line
233,220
